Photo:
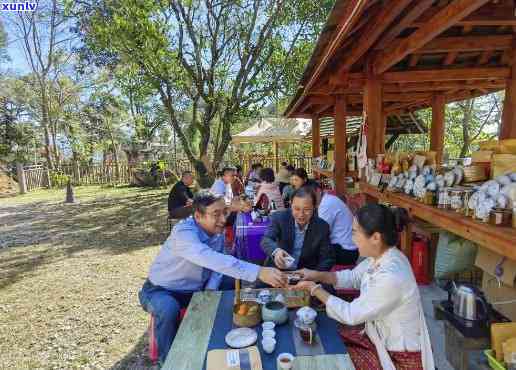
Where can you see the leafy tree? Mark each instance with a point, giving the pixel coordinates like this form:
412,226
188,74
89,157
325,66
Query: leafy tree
46,46
211,63
3,43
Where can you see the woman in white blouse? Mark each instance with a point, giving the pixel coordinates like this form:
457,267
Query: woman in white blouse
389,307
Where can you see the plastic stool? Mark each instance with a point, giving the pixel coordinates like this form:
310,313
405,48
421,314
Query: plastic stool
153,344
346,294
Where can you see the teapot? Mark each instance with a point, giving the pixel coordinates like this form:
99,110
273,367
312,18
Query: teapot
306,315
305,323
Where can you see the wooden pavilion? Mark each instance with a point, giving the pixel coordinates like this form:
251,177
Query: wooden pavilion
384,58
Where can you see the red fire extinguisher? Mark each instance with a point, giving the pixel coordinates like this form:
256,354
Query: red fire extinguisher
420,260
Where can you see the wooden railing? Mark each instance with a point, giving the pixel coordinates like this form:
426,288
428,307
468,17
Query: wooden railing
36,177
39,176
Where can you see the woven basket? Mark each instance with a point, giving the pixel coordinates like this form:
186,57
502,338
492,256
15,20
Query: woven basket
475,173
248,320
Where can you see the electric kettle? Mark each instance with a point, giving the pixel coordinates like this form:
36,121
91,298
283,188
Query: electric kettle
467,301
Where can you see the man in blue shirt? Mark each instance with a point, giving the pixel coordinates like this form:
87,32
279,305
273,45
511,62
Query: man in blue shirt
192,260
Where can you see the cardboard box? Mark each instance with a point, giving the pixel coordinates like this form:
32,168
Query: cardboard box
498,291
502,164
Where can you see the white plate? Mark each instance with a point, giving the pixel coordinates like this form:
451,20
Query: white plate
241,338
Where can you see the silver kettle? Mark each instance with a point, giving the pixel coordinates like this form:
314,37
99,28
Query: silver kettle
467,301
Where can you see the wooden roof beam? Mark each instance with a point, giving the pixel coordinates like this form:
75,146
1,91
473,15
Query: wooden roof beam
466,44
484,57
372,31
447,75
440,86
444,19
415,11
414,59
489,15
323,108
450,58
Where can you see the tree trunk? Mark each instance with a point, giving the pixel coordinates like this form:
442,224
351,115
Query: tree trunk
55,150
466,119
203,176
115,155
45,124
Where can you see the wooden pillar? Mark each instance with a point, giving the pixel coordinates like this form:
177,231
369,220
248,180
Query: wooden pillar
508,129
340,137
275,152
437,129
375,116
316,136
382,129
22,181
406,241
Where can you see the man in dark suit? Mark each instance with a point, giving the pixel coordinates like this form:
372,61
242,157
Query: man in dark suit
180,197
297,238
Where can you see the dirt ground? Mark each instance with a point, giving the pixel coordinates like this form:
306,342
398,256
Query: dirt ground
69,277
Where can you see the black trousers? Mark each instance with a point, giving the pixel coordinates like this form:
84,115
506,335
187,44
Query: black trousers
345,257
181,212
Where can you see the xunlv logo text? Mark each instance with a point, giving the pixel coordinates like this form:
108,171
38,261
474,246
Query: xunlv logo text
19,7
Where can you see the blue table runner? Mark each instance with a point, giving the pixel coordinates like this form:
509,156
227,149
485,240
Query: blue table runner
326,329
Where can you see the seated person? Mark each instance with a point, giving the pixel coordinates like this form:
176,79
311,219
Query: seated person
389,306
181,197
222,186
269,189
335,212
300,234
298,179
254,174
283,176
191,260
237,186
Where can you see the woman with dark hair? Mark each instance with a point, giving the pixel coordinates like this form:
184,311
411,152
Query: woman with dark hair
237,185
269,189
298,178
389,305
283,177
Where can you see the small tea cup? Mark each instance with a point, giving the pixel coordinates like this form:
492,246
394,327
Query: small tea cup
268,344
285,361
289,262
268,325
268,333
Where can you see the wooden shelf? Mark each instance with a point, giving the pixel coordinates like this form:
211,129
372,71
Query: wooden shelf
325,173
501,240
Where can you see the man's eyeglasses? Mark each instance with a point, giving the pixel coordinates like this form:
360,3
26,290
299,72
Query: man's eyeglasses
219,214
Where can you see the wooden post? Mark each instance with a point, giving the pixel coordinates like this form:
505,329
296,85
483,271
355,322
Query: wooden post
77,172
316,137
382,129
508,129
375,116
340,137
22,181
406,241
437,129
49,181
275,152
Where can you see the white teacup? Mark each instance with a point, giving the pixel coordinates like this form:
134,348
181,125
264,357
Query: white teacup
268,325
268,333
268,344
289,261
285,361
